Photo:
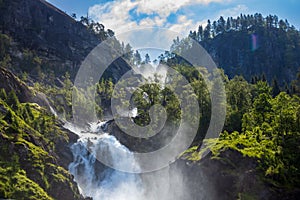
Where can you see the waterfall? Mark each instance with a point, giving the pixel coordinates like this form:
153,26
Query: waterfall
100,182
96,180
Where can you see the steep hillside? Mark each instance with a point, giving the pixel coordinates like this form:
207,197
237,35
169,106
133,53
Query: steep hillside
43,38
257,51
253,46
34,147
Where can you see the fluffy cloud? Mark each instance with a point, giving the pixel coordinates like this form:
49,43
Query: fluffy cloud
116,14
123,16
233,12
166,7
183,24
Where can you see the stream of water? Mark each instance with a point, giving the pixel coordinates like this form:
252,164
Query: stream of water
96,180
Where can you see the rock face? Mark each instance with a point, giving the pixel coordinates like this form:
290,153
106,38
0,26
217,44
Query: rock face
143,144
10,82
61,42
230,177
38,25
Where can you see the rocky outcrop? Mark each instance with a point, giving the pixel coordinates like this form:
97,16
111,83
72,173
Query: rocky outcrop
37,25
10,82
143,144
230,176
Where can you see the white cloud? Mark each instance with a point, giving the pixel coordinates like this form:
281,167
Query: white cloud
156,21
166,7
183,24
116,14
233,12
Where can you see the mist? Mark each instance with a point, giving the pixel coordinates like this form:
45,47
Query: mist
104,183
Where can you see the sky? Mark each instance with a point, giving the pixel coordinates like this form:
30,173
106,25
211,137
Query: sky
179,16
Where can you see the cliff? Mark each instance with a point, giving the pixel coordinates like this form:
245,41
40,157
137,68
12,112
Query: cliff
60,42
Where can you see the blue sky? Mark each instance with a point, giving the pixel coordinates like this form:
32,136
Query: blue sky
177,15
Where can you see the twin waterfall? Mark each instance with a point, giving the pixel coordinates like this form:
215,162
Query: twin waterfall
103,183
96,180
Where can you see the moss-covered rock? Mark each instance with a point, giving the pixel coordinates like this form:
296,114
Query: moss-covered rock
32,154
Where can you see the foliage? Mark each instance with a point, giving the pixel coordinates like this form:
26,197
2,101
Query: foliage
239,97
5,42
12,100
29,135
270,134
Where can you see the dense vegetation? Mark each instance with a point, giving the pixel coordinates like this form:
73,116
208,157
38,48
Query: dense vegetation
263,127
29,142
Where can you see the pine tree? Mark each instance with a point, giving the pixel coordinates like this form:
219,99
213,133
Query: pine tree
200,33
207,30
137,58
147,59
275,88
3,94
228,24
12,100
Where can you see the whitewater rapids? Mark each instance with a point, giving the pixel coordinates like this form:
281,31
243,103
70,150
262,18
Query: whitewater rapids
94,179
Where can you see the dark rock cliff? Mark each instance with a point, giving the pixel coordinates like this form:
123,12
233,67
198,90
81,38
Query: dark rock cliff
61,42
10,82
230,176
257,51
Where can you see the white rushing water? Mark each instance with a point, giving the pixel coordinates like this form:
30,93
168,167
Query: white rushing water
102,183
94,179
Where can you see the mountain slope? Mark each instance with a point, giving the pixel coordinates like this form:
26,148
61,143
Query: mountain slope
57,41
34,147
275,55
252,46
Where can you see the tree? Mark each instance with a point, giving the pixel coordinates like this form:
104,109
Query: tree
238,94
73,15
228,24
275,21
12,100
214,29
221,25
296,85
3,94
275,88
147,58
110,33
137,58
282,25
85,20
161,58
261,108
200,33
207,30
67,81
128,52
